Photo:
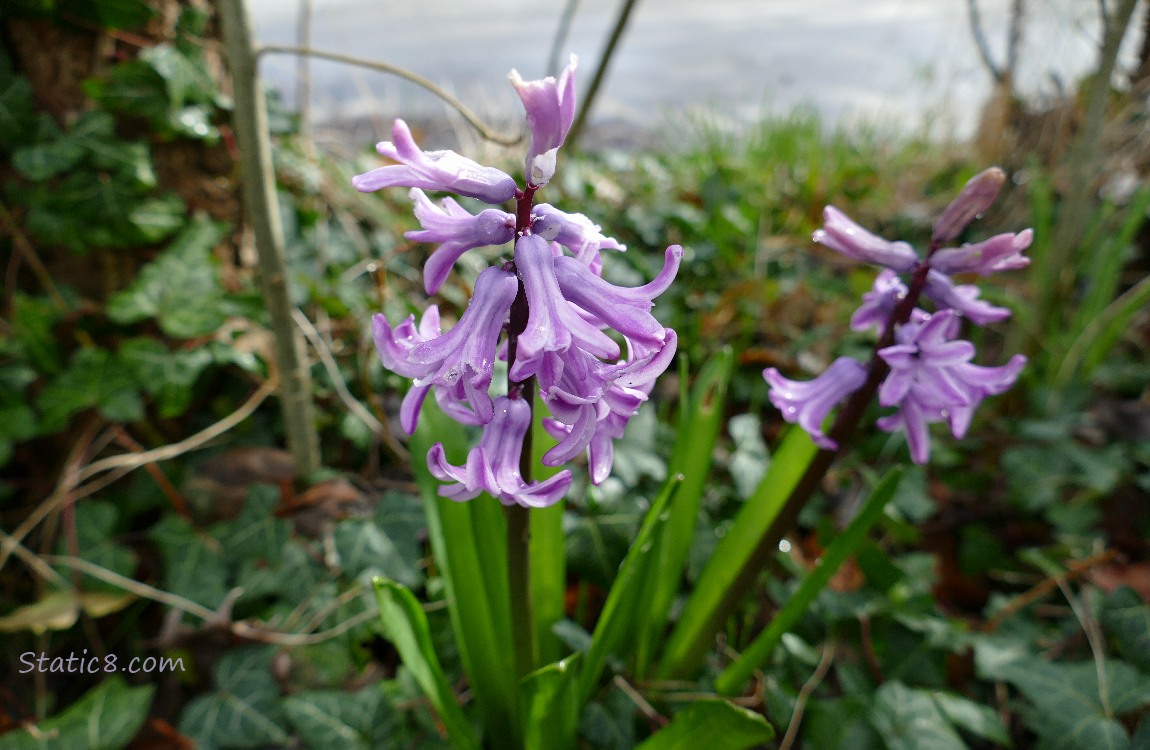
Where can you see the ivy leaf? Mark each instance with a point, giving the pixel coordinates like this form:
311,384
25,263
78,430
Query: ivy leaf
46,160
909,719
166,374
979,720
180,288
256,534
95,526
363,547
244,711
94,378
193,566
106,718
714,724
1127,618
331,718
133,87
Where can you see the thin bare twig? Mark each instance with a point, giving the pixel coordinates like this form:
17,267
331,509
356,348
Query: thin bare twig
601,71
561,33
805,693
640,702
979,33
1094,638
166,452
1045,586
213,617
33,561
407,75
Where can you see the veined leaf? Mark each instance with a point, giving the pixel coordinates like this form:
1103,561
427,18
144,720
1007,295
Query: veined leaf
106,718
711,724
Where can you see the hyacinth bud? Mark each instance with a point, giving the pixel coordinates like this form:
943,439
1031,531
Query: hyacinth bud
975,197
550,106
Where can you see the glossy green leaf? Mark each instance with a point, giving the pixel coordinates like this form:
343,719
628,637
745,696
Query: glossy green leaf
107,717
244,710
194,306
1126,617
335,719
628,601
365,549
551,703
699,424
981,721
94,378
910,720
257,533
407,629
168,375
469,541
714,725
548,552
193,565
695,632
843,546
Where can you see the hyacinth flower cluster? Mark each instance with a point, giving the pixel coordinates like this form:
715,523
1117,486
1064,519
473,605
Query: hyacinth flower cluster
921,365
545,311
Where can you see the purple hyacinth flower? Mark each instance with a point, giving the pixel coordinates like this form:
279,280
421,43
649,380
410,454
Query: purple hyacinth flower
962,298
493,465
808,404
552,323
550,106
394,346
1002,252
577,233
842,235
624,309
434,170
974,198
458,231
884,296
931,380
612,414
461,361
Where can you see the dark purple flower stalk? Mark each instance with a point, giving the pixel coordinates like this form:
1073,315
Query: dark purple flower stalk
919,367
549,306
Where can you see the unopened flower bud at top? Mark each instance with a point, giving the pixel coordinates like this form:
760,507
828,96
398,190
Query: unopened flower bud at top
550,106
975,197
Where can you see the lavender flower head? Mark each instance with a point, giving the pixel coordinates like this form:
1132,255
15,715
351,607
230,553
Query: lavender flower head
547,312
920,367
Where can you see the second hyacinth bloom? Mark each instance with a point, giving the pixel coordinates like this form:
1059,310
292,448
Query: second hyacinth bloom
928,373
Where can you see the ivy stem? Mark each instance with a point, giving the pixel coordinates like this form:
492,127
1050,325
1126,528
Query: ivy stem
523,633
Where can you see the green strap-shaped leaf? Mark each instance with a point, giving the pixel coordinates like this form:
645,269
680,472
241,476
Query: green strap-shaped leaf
695,632
469,541
713,725
407,629
699,425
627,603
843,546
551,701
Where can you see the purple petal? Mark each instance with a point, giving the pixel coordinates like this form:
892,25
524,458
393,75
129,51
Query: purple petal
1002,252
434,170
808,404
842,235
884,296
974,198
962,298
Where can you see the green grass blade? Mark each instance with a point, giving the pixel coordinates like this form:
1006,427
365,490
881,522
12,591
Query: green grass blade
626,605
469,541
731,680
714,725
551,697
407,629
694,634
699,424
